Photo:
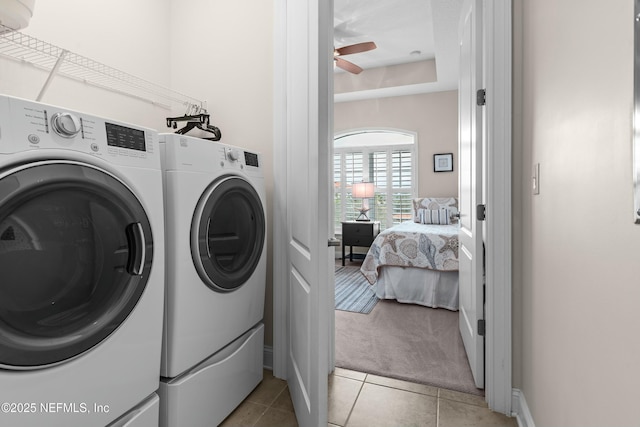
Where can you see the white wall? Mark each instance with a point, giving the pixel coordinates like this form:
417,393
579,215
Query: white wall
578,269
222,51
433,116
129,36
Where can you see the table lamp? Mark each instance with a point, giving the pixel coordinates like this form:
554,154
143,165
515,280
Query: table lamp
363,190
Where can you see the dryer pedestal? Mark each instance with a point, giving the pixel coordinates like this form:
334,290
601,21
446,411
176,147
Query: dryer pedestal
207,393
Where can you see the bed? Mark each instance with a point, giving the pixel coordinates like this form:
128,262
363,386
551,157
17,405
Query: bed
417,261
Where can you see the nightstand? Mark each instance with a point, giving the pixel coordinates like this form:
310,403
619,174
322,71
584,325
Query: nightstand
358,233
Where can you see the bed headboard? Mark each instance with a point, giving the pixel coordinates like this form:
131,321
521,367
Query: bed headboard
435,210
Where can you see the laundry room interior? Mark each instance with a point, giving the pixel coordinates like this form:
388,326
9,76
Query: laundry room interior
198,59
213,59
183,45
100,327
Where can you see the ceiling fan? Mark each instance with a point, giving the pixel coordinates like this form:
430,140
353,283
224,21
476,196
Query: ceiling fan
348,50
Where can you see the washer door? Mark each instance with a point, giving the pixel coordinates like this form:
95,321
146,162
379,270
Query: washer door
227,233
75,254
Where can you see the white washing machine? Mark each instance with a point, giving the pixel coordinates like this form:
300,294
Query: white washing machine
215,279
81,262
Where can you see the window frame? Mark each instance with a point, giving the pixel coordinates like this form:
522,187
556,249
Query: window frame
366,151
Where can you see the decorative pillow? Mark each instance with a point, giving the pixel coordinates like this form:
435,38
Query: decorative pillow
435,204
434,216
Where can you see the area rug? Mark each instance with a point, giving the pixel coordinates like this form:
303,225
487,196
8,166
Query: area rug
407,342
353,291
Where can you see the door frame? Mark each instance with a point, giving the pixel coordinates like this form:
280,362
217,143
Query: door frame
280,291
497,75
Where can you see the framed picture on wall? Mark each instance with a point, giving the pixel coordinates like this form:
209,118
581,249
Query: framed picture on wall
443,162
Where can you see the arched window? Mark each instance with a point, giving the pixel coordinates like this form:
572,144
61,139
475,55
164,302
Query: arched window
386,158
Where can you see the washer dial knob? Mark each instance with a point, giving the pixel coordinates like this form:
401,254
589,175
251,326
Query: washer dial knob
65,124
233,155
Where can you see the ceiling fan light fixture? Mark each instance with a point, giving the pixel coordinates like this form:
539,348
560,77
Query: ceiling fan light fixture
348,50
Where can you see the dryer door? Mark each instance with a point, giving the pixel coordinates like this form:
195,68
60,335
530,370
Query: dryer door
227,233
75,254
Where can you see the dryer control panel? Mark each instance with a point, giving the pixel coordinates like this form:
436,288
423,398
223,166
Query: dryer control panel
251,159
27,125
188,153
235,155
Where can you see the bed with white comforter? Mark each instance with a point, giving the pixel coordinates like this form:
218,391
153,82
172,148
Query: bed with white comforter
416,263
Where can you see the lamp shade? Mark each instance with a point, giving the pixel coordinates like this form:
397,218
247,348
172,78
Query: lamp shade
363,189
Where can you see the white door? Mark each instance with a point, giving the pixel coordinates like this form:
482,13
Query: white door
470,158
309,91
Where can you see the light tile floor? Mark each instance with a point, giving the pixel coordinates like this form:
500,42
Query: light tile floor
359,399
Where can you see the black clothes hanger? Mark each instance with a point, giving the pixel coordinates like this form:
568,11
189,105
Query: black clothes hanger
200,121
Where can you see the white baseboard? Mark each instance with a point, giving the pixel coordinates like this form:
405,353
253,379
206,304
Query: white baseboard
267,356
520,410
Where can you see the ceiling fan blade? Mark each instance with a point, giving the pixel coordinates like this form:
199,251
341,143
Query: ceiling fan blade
356,48
348,66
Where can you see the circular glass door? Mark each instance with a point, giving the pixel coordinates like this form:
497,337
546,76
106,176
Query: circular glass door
75,254
227,234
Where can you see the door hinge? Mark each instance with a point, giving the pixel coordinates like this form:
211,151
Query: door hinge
481,212
481,97
481,327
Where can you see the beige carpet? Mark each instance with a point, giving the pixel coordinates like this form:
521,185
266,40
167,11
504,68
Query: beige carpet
405,341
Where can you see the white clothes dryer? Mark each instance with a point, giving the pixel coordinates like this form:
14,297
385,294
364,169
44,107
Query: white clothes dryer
215,279
82,260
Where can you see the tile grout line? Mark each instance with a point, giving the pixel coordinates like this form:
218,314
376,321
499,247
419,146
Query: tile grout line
438,408
286,388
278,395
405,389
268,407
261,415
355,401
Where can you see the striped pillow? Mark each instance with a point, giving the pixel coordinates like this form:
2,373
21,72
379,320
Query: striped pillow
436,203
434,216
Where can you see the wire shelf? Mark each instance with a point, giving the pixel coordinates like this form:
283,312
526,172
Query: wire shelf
56,60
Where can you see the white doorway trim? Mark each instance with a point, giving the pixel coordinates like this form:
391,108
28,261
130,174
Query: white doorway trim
497,75
498,179
280,294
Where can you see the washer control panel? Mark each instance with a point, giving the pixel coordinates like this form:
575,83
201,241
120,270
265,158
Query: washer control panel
27,125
